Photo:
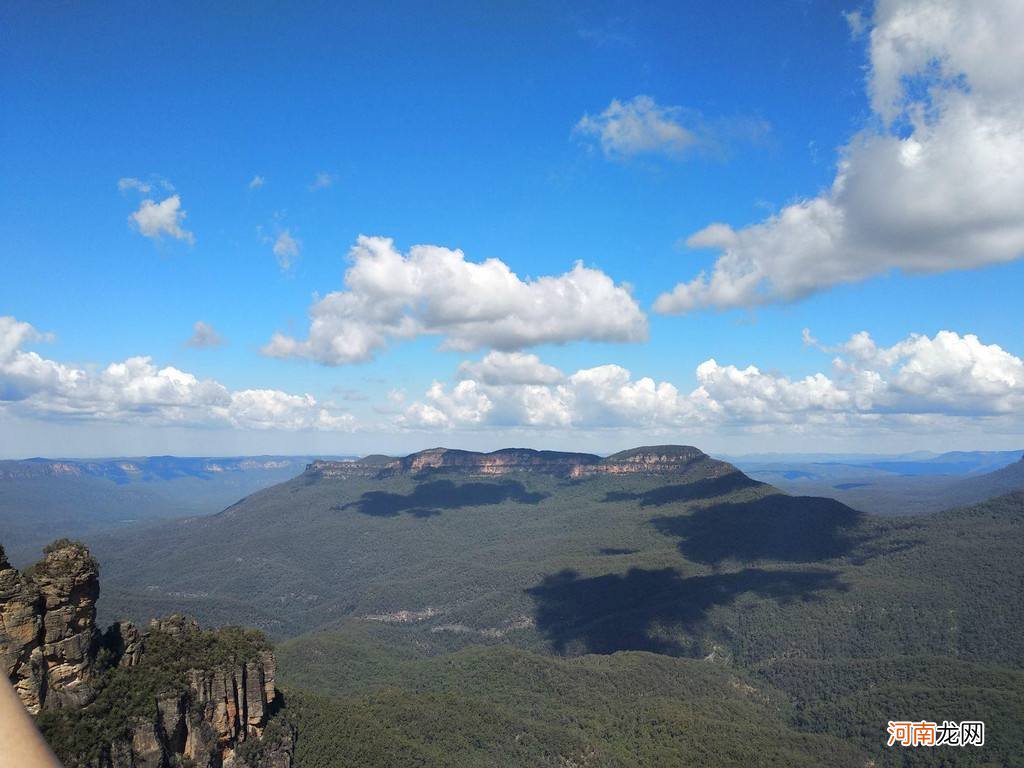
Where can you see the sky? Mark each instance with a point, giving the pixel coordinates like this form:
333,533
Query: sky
323,228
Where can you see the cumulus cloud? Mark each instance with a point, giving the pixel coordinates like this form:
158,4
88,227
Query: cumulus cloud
136,390
510,368
286,249
933,184
203,336
435,291
918,380
257,182
164,218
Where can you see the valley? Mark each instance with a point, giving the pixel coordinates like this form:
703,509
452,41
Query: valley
43,499
656,606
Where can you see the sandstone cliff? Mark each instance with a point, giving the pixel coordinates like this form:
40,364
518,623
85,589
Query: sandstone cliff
48,635
218,713
171,695
682,460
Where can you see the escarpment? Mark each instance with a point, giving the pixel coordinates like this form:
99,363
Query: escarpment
680,460
173,694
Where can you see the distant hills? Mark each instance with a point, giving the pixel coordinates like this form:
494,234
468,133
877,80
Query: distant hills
897,486
683,461
654,607
42,499
454,548
915,463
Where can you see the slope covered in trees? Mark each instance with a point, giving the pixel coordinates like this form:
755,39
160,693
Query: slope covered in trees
418,604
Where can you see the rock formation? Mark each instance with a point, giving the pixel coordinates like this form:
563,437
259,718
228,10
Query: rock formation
682,460
219,710
209,696
48,635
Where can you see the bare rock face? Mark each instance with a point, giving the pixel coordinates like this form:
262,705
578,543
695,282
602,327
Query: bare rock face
68,580
124,641
222,708
682,461
48,636
49,649
21,625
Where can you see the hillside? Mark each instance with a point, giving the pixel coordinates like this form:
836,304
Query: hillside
901,487
361,539
654,607
451,557
903,624
41,499
485,707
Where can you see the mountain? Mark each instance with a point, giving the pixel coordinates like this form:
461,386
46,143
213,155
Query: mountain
441,531
972,489
42,499
682,461
819,641
901,487
549,551
654,607
172,695
907,464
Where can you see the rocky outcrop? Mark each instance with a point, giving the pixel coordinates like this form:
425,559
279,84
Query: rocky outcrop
68,581
211,720
682,460
21,622
48,635
210,695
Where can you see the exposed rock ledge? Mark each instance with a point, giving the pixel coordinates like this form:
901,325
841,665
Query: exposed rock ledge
660,460
148,699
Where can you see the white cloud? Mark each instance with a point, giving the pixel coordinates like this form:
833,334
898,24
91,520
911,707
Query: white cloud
934,184
155,219
286,249
137,391
204,335
127,183
257,182
637,126
918,381
510,368
322,181
435,291
942,383
856,21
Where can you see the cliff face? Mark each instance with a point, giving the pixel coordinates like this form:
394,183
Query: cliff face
212,718
48,635
150,699
663,459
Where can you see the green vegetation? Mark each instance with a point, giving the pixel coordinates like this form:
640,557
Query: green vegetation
505,707
127,695
526,620
692,567
44,566
849,699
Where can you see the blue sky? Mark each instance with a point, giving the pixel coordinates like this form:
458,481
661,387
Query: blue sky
539,136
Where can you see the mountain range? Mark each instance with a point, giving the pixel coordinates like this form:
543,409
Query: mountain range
42,499
897,485
653,607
